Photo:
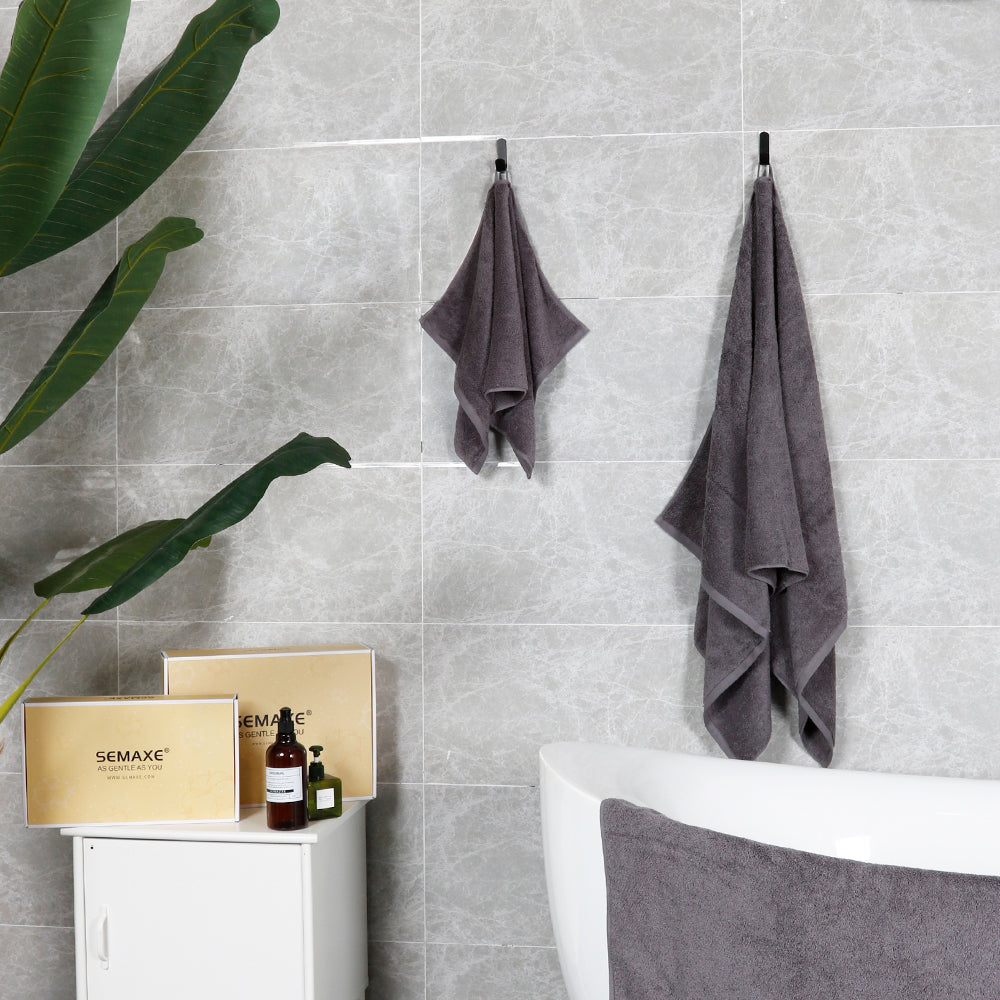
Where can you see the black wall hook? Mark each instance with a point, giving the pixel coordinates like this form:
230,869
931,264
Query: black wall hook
501,160
764,157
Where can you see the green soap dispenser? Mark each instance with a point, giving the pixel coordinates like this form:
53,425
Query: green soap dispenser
326,798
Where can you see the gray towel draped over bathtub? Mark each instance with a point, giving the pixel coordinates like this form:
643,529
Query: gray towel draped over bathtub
699,915
756,507
505,329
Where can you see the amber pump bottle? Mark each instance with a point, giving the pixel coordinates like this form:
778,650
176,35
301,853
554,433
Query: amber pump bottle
285,778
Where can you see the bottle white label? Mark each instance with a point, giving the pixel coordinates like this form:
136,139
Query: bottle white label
326,798
283,784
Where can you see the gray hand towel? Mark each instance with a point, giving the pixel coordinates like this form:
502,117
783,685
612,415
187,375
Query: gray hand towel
698,915
504,328
756,507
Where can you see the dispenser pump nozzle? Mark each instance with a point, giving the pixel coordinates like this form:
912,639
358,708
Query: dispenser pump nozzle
316,769
286,724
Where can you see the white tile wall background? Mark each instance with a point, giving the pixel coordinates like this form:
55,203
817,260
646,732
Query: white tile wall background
339,189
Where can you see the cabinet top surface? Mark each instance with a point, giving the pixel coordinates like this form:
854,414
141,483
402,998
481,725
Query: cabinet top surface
251,828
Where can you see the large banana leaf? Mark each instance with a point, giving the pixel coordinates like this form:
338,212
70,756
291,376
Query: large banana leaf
62,57
154,124
229,506
100,567
99,329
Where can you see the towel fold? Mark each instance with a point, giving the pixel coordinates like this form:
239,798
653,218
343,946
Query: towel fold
698,915
756,507
505,329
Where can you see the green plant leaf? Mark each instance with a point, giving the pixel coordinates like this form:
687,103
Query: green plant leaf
99,329
101,566
228,507
154,124
63,54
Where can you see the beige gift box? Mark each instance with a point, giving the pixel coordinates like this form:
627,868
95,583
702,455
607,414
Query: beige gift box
130,760
330,690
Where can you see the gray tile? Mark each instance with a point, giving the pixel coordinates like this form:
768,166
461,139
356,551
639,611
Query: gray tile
307,225
335,545
917,700
494,694
205,385
36,866
890,210
912,700
902,376
86,665
398,681
919,544
52,516
485,875
38,962
395,971
396,864
548,68
639,386
347,71
615,216
81,432
67,281
908,376
575,544
876,63
456,972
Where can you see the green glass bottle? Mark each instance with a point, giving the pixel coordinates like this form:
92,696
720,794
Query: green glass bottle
326,797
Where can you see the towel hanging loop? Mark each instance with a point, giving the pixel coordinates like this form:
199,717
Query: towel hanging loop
764,155
501,160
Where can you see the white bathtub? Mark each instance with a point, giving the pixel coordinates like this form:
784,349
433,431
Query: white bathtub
948,824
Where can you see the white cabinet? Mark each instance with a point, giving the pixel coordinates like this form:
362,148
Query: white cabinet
221,911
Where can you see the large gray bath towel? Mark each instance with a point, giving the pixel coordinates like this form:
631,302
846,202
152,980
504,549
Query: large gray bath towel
505,329
756,507
699,915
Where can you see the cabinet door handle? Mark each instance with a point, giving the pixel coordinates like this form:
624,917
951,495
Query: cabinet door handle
104,938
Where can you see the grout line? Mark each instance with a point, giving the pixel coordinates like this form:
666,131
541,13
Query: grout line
423,628
484,138
37,927
743,117
665,626
741,173
895,294
497,946
428,139
420,466
461,944
473,784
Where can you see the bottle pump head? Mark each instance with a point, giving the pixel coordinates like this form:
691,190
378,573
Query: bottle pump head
286,725
316,769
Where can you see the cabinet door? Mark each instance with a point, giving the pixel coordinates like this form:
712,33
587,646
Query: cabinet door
175,919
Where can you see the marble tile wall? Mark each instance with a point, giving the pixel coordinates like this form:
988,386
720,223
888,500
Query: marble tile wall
339,188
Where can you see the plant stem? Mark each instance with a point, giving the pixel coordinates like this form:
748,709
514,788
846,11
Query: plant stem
20,628
10,702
